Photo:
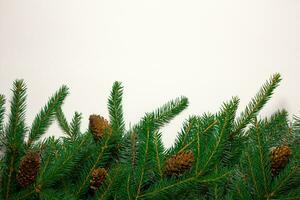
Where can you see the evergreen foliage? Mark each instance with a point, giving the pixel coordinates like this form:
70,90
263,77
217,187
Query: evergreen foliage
215,156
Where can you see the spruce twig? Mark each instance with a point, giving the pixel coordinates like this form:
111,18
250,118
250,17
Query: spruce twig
62,121
256,104
45,117
14,135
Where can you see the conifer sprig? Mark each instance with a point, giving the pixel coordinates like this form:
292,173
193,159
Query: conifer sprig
14,135
216,143
75,124
206,161
257,103
164,114
45,117
116,110
62,121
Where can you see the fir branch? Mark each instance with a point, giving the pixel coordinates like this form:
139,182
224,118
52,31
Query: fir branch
62,121
43,120
111,184
164,114
183,183
86,176
256,104
277,129
252,175
185,137
65,161
225,121
75,124
14,135
116,110
158,151
286,177
262,152
207,128
145,156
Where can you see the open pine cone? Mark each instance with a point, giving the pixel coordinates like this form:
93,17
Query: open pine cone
98,177
99,126
279,158
29,168
179,163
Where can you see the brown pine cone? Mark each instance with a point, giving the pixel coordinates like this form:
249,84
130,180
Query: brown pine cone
98,177
279,158
28,168
179,163
99,126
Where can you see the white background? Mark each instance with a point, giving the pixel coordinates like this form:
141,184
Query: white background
160,49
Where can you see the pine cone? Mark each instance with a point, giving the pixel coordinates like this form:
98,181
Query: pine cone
179,163
279,158
99,126
99,175
29,168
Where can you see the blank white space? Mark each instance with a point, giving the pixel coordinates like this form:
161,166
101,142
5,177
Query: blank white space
160,49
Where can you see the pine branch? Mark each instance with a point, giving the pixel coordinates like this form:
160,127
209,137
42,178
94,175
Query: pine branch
288,179
145,156
256,104
116,110
91,165
185,138
225,122
258,162
282,181
112,184
164,114
70,153
43,120
206,128
62,121
263,164
14,135
159,149
166,187
75,124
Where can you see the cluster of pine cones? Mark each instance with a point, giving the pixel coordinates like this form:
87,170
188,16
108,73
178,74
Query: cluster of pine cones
174,166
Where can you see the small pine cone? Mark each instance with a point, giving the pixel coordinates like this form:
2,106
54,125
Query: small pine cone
279,158
99,126
179,163
98,177
28,168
